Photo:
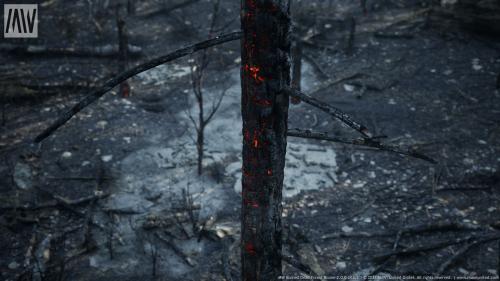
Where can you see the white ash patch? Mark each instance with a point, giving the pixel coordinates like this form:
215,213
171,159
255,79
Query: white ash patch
162,73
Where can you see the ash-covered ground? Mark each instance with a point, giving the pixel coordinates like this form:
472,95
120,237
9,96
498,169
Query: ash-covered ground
115,195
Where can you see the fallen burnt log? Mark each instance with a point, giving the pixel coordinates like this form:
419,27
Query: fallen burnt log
167,9
96,51
20,92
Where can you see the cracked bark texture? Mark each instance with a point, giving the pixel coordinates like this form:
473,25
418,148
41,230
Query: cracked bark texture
265,73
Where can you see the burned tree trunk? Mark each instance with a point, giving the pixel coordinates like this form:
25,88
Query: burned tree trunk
296,68
265,73
123,51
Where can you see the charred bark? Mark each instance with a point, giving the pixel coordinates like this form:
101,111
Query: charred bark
123,51
296,68
265,73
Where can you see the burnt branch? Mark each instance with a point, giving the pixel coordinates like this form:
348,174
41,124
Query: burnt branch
215,107
167,10
371,142
116,80
331,110
437,246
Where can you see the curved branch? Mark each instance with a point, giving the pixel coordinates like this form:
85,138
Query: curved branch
331,110
114,81
366,142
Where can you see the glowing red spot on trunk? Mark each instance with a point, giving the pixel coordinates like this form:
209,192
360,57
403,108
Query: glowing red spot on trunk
125,89
251,4
262,102
254,73
269,172
256,143
250,248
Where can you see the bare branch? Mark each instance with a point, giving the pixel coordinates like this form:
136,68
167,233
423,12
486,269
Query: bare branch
191,118
333,111
112,82
167,10
215,107
366,142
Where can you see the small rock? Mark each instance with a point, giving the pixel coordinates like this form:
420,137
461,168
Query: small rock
23,176
347,229
367,220
358,184
101,124
341,265
475,65
67,154
491,209
392,101
348,87
106,158
492,271
93,262
13,265
463,271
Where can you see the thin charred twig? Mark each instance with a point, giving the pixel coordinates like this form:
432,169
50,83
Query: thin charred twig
64,204
318,46
297,264
350,36
176,249
122,49
331,110
319,70
360,211
59,200
440,245
215,107
197,75
444,225
334,81
154,259
296,64
83,200
457,255
363,6
116,80
167,10
338,235
385,262
366,142
188,201
109,242
77,178
94,51
225,260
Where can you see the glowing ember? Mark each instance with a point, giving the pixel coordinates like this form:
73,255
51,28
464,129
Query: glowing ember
249,247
